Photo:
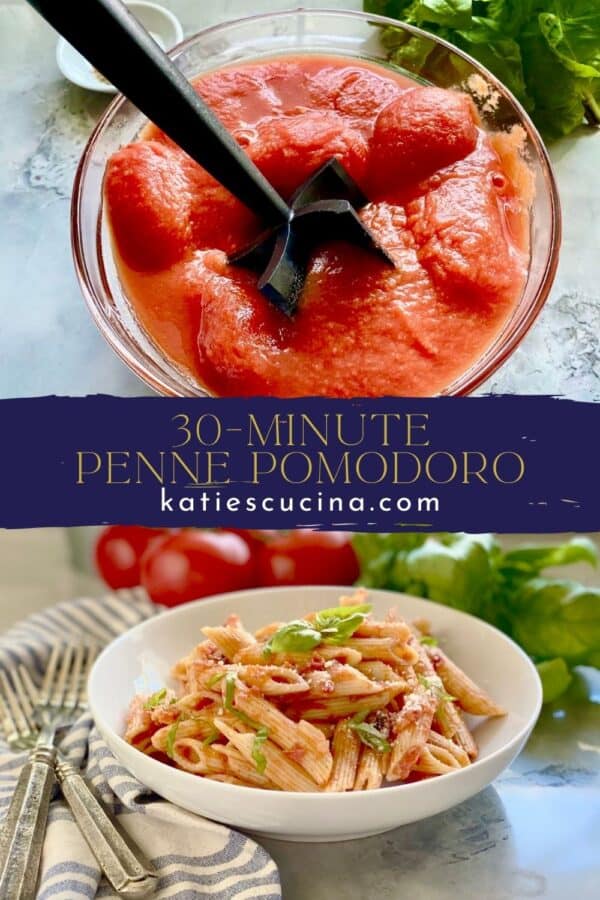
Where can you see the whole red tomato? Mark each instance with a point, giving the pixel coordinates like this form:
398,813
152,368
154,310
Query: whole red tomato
308,557
119,549
253,536
194,563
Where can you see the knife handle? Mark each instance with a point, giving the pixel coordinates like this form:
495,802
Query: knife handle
24,828
123,867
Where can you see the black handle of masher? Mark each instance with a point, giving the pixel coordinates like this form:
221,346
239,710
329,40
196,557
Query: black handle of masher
113,41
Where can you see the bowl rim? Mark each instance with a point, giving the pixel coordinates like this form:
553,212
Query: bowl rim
165,382
350,796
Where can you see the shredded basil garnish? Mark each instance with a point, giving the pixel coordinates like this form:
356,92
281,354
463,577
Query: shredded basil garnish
262,732
258,756
211,737
428,640
434,684
172,737
155,699
371,736
215,679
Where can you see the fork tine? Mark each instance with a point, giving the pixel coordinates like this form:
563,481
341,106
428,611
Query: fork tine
19,720
9,728
24,702
74,686
33,693
58,691
44,695
92,653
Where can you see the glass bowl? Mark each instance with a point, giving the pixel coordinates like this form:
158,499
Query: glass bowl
350,34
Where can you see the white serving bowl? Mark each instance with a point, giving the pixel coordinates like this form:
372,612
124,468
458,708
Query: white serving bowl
141,659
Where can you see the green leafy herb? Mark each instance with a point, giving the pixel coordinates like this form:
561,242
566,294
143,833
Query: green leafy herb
262,733
228,703
434,684
155,699
215,679
330,626
552,619
547,52
428,640
528,561
258,756
213,735
555,677
339,623
229,692
171,738
297,636
370,736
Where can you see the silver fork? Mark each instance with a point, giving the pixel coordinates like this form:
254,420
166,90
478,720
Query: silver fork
31,720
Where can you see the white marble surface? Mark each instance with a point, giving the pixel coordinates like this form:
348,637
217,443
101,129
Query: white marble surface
534,834
48,343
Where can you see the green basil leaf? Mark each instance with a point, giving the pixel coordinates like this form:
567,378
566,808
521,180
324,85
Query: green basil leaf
452,13
155,699
371,736
428,640
434,684
228,703
574,39
339,623
297,636
213,735
555,678
229,691
258,756
547,52
530,561
556,618
215,679
171,738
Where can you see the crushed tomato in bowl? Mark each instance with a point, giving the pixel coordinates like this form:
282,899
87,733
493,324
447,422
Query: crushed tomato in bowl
448,200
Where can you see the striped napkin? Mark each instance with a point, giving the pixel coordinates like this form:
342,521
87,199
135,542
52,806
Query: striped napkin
193,856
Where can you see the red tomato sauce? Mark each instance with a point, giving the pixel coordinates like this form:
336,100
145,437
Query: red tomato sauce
449,201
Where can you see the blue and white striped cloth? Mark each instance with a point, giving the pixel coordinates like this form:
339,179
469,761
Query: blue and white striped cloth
193,856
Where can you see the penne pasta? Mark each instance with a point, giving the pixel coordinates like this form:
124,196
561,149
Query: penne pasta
342,707
411,727
435,761
345,748
452,725
377,670
191,755
308,746
371,770
459,753
338,679
230,638
470,696
337,701
279,769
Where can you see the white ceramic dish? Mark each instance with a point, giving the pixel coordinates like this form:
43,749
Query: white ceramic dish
164,27
140,660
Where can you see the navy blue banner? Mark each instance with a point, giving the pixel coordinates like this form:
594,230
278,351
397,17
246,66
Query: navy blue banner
475,464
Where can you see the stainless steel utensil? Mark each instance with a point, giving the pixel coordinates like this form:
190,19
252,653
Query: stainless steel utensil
31,720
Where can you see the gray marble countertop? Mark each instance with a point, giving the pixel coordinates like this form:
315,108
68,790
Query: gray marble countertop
535,833
48,342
